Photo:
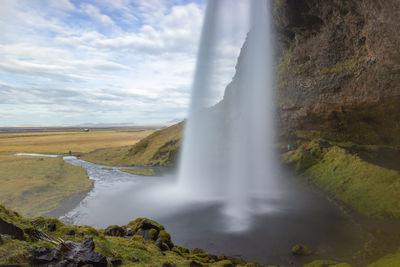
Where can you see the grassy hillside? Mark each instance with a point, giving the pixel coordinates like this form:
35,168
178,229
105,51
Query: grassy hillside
159,148
34,186
368,188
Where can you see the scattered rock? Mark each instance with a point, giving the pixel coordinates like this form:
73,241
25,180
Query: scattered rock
162,245
129,232
71,232
115,261
115,230
12,230
301,250
70,254
45,255
168,264
52,227
134,259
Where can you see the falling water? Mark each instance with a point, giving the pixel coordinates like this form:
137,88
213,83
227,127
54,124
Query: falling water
228,147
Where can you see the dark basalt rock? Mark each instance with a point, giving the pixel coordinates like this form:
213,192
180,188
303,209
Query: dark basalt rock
70,254
115,262
52,227
14,231
70,232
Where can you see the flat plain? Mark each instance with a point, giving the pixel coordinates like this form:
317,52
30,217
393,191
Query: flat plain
35,186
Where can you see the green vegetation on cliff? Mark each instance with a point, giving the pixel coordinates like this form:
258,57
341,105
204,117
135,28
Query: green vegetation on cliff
368,188
160,148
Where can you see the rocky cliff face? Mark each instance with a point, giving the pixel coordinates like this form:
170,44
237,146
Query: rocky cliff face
339,68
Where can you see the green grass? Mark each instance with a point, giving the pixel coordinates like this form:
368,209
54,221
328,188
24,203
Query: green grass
133,251
160,148
342,66
392,260
63,142
34,186
370,189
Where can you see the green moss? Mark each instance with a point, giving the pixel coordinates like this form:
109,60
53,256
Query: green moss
305,156
14,252
133,252
283,65
342,66
326,263
368,188
392,260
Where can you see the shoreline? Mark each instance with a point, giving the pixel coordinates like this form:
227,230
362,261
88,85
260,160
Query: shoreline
69,203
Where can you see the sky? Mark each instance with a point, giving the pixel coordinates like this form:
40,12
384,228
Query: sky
70,62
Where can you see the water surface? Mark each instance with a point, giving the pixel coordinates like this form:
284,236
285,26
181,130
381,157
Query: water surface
304,216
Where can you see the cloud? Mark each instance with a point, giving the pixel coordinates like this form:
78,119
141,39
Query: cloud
95,13
64,5
102,60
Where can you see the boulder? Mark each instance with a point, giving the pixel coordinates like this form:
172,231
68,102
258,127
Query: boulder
301,250
12,230
52,227
115,230
70,254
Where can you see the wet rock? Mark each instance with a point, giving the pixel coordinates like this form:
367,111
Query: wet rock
152,234
301,250
115,230
70,254
163,246
52,227
115,261
12,230
45,256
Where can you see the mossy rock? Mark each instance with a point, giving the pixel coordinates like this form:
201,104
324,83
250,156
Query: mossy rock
153,234
115,230
326,263
145,224
301,250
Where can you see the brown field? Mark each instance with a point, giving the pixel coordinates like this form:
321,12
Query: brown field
63,142
37,185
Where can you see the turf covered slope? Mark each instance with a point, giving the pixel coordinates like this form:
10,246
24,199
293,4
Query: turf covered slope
158,149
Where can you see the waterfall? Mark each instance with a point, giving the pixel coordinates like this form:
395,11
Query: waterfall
228,148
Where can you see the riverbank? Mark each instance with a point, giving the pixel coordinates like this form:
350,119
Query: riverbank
35,186
42,185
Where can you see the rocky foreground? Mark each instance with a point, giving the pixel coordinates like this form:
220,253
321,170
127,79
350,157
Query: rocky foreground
50,242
